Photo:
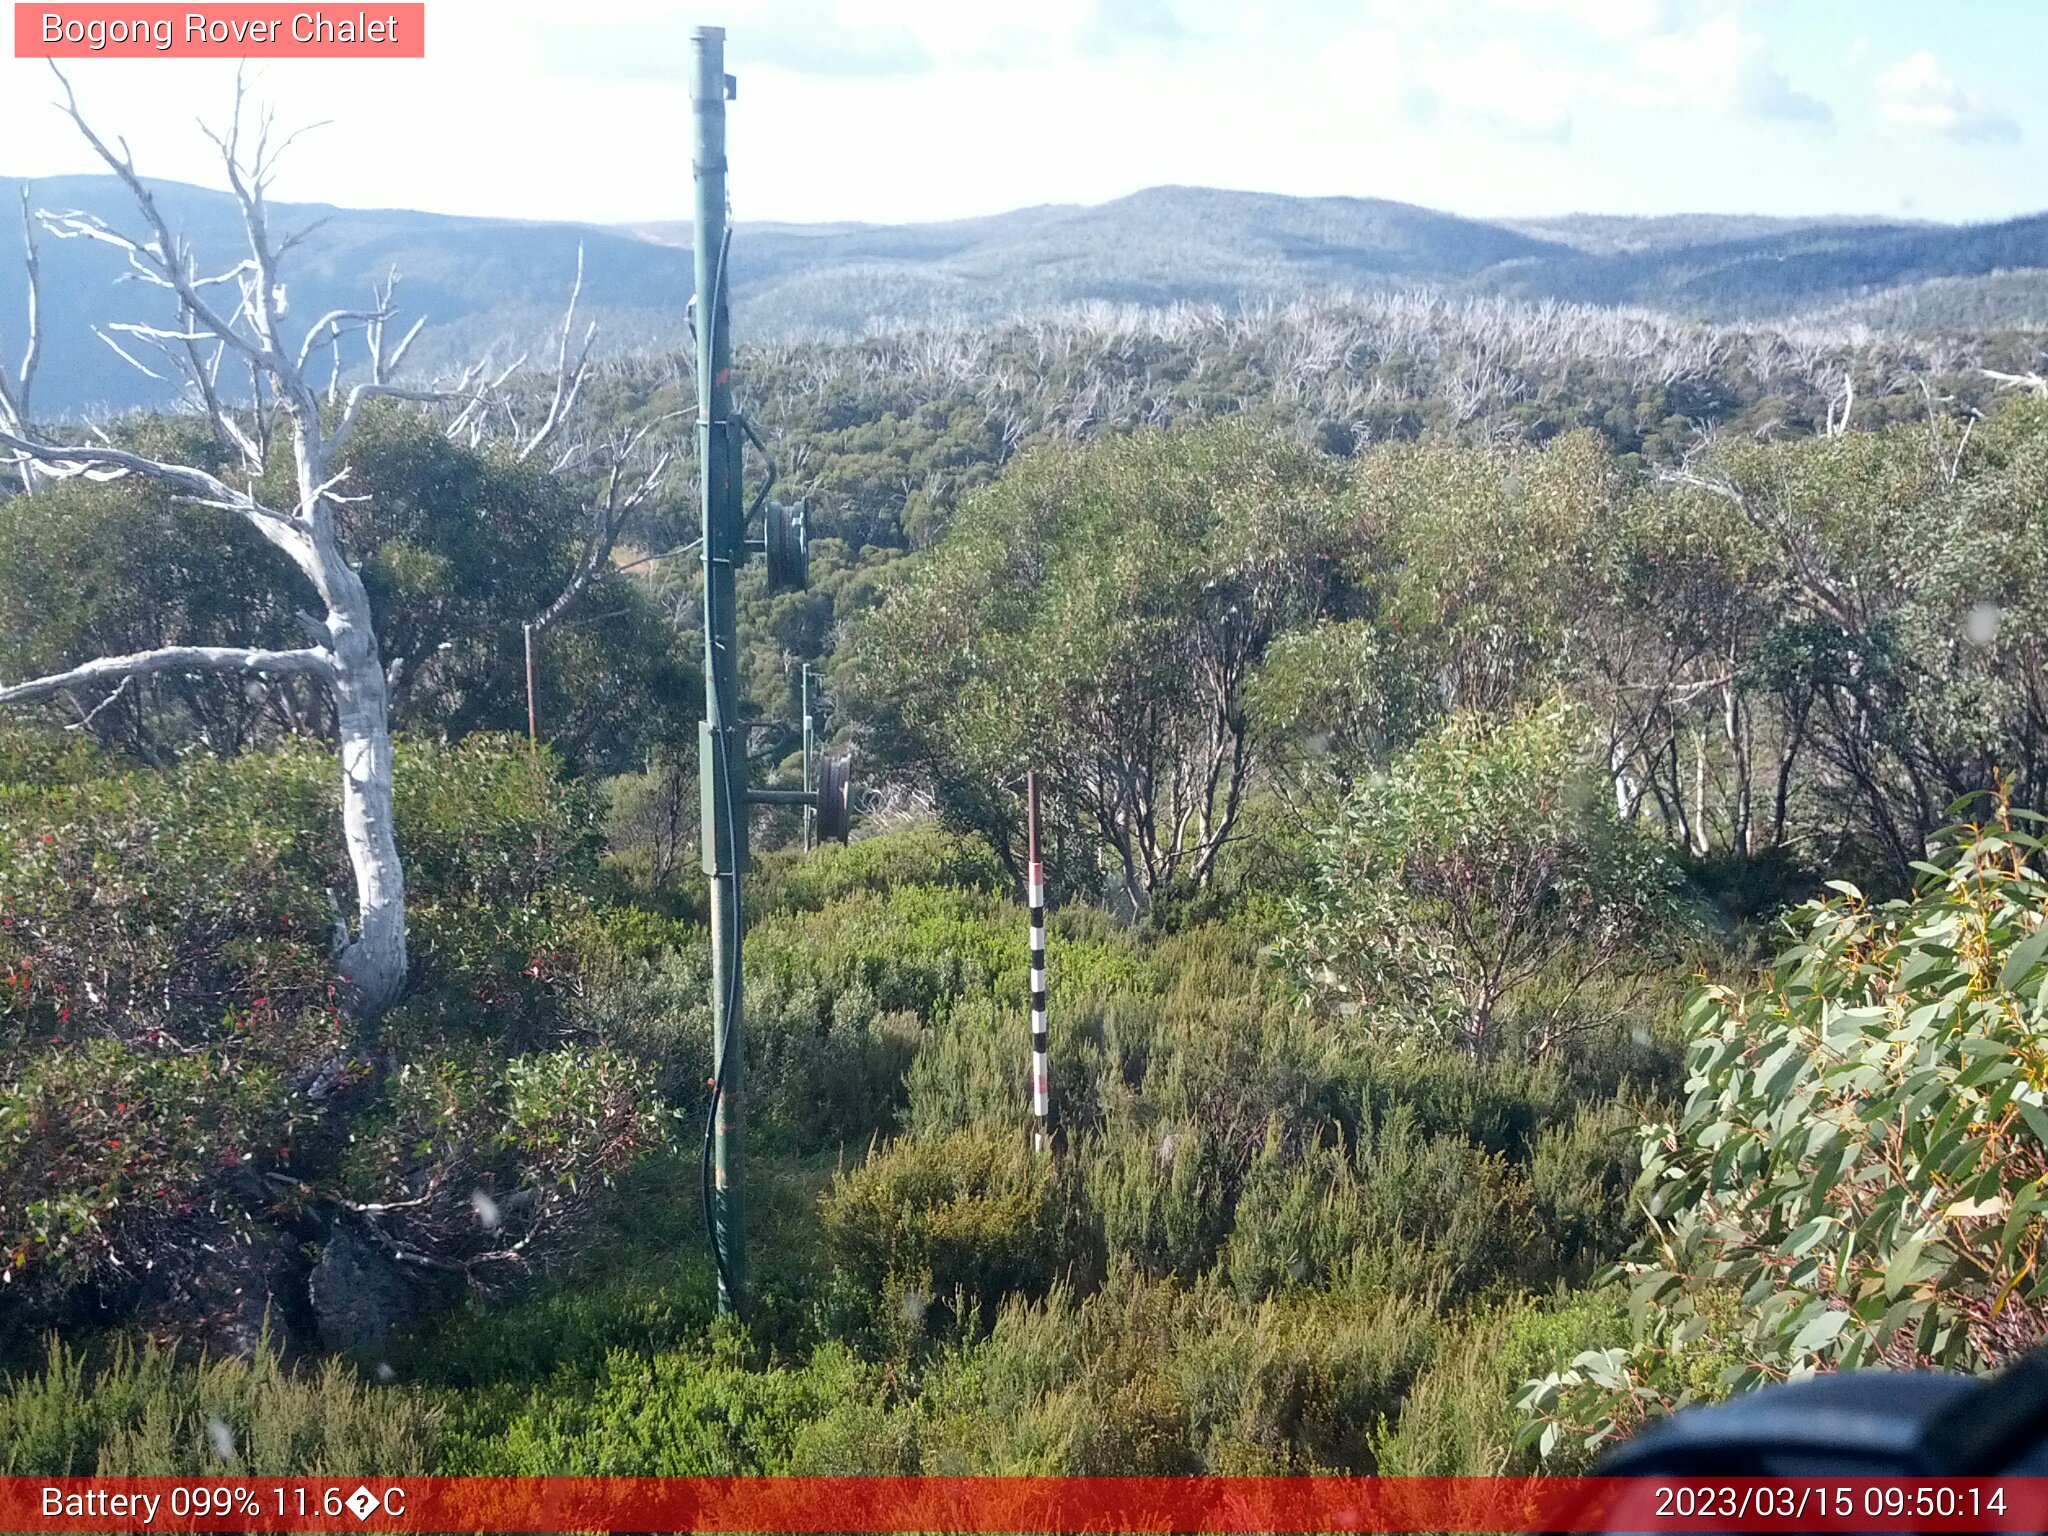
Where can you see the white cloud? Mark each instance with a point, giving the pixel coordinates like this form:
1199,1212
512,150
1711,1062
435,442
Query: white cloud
1618,20
1723,67
803,36
1495,87
1371,73
1917,92
1499,86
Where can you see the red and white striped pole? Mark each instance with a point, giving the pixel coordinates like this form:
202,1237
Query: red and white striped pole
1041,1076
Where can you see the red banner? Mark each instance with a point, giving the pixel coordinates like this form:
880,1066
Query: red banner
237,31
1024,1504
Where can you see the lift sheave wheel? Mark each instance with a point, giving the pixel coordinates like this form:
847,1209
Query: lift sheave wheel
835,798
787,535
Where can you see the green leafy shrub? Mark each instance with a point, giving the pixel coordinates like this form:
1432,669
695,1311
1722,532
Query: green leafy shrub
853,1005
1095,612
972,1216
696,1412
165,903
1466,1209
1468,895
1859,1172
1581,1174
170,1042
1299,1223
141,1414
1460,1420
501,861
921,855
1159,1194
104,1141
1342,694
1146,1377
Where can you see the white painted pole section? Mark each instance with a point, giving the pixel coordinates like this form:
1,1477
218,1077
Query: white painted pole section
1041,1041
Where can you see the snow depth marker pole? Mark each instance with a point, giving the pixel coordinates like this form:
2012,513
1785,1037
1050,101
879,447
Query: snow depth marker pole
1041,1076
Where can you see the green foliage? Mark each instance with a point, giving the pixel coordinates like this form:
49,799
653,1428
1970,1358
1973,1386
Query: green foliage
170,1043
957,1222
165,900
138,1413
106,1137
921,855
1344,690
1492,555
1481,866
92,569
501,863
456,547
1094,614
697,1412
1160,1198
1857,1175
1459,1419
1513,682
1153,1378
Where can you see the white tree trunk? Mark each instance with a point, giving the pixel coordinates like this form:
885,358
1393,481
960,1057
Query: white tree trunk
373,960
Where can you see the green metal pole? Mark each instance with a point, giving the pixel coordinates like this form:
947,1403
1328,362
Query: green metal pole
721,740
810,812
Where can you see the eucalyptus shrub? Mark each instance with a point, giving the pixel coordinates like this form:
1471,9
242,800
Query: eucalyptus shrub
1860,1170
1470,896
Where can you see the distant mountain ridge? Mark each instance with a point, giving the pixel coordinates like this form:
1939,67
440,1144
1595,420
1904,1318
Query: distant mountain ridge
500,283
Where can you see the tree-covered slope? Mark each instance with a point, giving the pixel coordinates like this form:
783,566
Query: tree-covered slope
499,284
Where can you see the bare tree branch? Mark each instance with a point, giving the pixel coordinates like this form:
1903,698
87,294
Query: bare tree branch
172,658
16,398
637,470
568,380
73,459
2032,383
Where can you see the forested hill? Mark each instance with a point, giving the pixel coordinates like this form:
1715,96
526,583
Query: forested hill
485,282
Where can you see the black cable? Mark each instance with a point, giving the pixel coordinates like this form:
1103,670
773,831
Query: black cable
760,496
719,1257
732,1000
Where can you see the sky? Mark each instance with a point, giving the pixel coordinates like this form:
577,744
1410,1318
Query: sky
911,110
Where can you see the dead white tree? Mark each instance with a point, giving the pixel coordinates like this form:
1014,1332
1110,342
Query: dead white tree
623,466
632,464
16,394
237,317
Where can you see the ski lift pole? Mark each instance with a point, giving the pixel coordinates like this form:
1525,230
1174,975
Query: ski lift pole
1041,1042
721,737
810,811
532,711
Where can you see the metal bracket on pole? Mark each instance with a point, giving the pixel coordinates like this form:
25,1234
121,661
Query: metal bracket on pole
831,802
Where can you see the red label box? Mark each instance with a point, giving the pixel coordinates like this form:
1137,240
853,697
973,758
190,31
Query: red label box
235,31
